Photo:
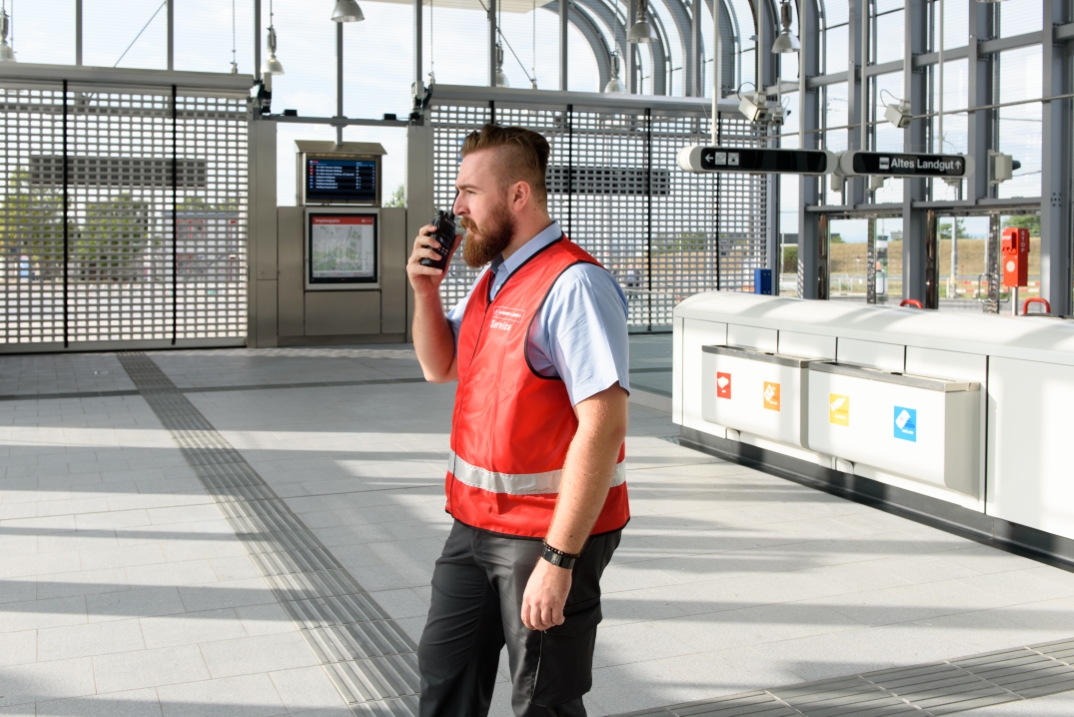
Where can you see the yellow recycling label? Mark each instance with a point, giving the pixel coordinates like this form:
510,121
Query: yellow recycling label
838,409
771,396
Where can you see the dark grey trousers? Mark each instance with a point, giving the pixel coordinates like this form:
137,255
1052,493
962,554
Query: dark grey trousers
476,609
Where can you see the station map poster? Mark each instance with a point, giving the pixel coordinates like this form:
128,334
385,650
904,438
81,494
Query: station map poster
342,249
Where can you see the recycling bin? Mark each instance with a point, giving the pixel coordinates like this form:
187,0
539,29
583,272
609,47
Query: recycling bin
927,429
754,391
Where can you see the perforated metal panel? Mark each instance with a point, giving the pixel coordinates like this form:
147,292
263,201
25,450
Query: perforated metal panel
616,190
123,217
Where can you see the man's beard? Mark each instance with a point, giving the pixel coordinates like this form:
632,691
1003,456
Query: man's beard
485,243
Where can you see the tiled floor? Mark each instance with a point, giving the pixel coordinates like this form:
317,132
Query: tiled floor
124,592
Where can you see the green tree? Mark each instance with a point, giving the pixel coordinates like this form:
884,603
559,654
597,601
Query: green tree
398,197
112,238
790,259
945,228
836,239
1025,221
31,225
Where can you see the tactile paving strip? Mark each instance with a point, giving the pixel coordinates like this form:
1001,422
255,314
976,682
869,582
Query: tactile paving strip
369,658
934,689
220,389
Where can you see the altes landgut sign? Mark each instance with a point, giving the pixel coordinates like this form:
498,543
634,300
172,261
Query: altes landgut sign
904,165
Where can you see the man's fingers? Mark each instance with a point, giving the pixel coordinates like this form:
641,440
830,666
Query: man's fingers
526,615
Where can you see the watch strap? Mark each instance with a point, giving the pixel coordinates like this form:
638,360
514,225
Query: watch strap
559,558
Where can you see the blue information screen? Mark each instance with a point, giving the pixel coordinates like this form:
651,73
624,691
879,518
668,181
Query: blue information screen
341,180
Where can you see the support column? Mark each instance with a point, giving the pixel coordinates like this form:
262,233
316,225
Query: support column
812,266
339,82
78,32
263,265
419,39
564,9
1055,189
914,221
854,194
257,39
979,83
492,43
171,35
693,85
631,50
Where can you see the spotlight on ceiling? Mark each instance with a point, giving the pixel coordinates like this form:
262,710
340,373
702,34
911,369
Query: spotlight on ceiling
271,66
347,11
501,78
615,85
786,42
641,31
6,53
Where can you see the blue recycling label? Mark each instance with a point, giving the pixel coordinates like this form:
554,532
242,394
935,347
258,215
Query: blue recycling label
906,424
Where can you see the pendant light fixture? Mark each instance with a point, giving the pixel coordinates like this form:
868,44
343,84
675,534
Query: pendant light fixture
501,78
641,31
271,66
615,85
786,42
6,53
347,11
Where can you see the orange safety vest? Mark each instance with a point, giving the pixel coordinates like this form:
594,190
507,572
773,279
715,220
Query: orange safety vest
512,427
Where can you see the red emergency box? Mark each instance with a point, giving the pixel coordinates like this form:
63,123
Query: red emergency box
1015,250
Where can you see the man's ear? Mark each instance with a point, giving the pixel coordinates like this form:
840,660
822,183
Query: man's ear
519,195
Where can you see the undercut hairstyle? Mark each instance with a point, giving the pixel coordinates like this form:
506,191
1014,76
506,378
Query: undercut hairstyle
522,154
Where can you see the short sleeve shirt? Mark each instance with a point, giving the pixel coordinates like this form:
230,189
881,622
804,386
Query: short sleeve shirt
580,334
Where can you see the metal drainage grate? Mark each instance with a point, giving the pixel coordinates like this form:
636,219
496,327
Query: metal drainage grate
369,658
938,688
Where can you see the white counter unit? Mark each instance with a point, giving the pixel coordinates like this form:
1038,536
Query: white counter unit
927,429
753,391
990,399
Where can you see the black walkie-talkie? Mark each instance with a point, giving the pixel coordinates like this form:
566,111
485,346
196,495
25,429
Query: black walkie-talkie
445,238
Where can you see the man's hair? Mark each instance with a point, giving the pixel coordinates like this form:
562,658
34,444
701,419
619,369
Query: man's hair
522,154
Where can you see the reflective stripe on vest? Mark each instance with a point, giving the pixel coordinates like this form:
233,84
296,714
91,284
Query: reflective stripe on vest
516,483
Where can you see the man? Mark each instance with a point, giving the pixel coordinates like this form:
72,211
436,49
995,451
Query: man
536,481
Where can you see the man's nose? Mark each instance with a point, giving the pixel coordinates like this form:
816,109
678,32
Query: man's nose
458,207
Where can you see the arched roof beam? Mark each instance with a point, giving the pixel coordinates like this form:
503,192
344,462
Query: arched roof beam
683,26
593,35
729,38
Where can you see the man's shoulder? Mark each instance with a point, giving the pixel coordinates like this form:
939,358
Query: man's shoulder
586,286
586,274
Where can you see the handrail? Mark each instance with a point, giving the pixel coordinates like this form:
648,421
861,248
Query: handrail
1035,300
911,302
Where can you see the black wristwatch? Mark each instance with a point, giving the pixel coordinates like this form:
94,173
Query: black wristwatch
559,558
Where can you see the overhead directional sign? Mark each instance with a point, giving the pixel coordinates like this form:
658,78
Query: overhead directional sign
699,158
890,164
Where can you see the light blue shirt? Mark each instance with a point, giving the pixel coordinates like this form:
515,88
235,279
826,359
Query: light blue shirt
580,334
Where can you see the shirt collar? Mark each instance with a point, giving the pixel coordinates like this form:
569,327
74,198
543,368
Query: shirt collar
503,268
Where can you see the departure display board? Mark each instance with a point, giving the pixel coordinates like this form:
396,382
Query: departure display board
341,179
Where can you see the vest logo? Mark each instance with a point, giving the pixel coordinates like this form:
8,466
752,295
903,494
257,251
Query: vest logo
723,385
504,319
838,409
771,396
